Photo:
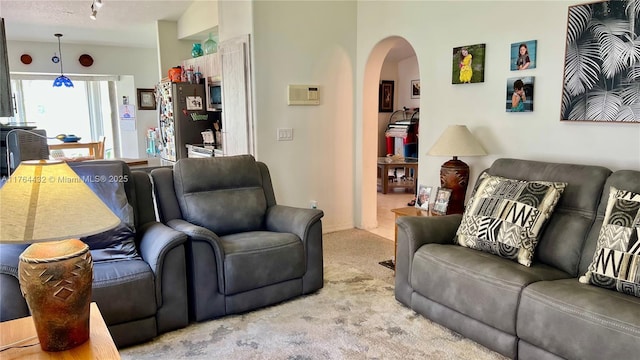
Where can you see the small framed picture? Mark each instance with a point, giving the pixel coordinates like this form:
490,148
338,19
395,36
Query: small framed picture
468,64
385,101
423,197
146,99
520,94
415,89
523,55
442,201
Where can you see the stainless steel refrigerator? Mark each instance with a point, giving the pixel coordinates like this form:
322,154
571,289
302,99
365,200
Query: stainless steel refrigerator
182,118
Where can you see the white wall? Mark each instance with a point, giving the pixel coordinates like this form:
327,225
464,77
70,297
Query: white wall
139,63
407,71
307,43
434,28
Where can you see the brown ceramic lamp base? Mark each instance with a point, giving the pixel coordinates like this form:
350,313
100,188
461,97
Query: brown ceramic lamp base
454,175
56,279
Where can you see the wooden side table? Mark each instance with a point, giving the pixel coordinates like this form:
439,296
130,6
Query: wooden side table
405,211
99,346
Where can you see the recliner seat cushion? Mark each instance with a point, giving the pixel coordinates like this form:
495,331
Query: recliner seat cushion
477,284
587,322
128,288
260,258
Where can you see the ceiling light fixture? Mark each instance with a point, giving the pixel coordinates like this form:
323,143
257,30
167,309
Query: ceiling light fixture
94,12
95,6
60,80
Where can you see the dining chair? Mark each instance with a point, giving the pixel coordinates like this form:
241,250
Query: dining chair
100,151
26,145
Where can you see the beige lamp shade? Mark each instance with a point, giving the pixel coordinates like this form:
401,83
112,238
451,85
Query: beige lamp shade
46,201
457,140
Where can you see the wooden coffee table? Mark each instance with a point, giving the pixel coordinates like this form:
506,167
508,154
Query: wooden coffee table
409,164
99,346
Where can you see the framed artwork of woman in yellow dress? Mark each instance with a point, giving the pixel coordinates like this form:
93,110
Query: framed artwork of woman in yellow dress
468,64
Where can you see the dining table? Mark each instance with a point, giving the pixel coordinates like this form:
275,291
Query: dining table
93,147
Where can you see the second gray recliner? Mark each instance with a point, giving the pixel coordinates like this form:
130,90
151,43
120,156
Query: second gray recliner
244,251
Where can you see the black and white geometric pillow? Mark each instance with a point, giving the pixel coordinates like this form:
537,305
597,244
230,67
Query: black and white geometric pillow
505,216
616,262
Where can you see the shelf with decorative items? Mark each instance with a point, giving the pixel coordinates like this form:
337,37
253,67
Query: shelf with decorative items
207,65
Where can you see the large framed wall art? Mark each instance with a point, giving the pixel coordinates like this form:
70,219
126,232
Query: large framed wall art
602,63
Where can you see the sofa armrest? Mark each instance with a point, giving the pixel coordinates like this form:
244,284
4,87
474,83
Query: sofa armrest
414,232
288,219
12,303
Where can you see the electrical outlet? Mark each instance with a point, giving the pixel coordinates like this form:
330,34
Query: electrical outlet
284,134
314,204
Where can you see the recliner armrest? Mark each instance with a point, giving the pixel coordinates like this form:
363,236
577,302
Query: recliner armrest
156,240
199,233
422,230
290,219
413,233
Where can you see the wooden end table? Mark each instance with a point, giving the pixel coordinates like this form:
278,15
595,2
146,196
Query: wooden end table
404,211
99,346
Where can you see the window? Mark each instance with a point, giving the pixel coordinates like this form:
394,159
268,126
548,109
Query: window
83,110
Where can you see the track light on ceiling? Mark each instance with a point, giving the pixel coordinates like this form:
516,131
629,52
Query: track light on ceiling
94,12
95,6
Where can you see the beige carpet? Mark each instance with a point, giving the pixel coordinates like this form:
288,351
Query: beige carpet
355,316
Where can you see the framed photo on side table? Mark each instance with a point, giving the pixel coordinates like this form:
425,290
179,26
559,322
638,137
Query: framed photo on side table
146,99
423,197
442,201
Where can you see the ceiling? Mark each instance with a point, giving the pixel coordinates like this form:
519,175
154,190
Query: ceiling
119,22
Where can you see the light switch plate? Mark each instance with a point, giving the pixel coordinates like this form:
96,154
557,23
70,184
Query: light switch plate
285,134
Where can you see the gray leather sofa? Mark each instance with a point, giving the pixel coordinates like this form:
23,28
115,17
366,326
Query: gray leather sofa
138,297
244,250
537,312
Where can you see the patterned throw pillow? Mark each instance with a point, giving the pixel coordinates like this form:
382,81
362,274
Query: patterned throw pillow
616,262
505,216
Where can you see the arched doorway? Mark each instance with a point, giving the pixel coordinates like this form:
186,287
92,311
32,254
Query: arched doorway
391,59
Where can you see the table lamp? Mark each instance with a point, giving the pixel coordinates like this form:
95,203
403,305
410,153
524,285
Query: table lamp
44,203
456,141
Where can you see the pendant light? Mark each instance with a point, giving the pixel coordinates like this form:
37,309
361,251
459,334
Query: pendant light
60,80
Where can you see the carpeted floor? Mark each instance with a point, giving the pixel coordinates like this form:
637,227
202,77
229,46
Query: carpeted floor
355,316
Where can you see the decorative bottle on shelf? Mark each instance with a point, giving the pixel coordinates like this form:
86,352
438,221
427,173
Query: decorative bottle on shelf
196,50
210,46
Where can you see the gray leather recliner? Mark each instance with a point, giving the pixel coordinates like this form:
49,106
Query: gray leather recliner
138,298
244,251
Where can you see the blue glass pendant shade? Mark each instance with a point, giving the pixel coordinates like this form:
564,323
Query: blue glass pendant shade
60,80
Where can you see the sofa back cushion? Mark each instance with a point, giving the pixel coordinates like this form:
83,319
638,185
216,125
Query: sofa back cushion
107,179
560,243
222,194
628,180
